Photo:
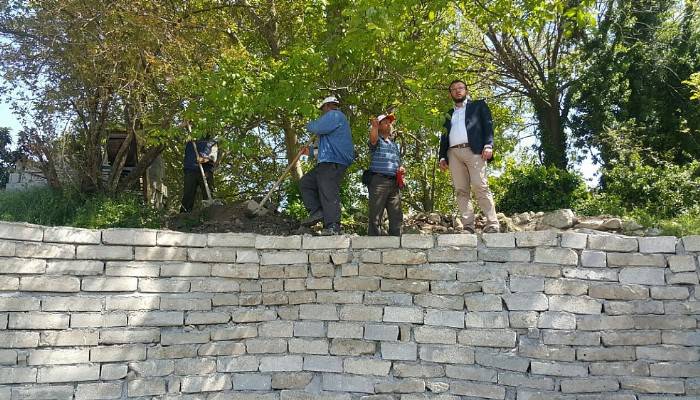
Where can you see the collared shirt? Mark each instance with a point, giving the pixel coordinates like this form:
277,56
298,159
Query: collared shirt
458,131
335,139
386,158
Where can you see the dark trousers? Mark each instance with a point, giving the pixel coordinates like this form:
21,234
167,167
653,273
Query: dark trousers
320,190
384,195
193,180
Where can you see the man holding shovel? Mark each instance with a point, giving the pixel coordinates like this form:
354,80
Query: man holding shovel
320,187
204,154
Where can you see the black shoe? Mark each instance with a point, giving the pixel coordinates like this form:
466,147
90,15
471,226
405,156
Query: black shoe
313,219
468,230
494,228
331,230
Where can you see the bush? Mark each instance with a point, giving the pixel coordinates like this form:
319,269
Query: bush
666,190
532,187
69,208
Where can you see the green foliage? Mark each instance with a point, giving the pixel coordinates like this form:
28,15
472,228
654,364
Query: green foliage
7,156
45,206
532,187
694,83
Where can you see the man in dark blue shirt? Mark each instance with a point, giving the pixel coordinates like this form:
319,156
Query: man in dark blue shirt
384,193
320,187
207,150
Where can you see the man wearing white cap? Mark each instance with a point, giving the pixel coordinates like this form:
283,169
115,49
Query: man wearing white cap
320,187
383,187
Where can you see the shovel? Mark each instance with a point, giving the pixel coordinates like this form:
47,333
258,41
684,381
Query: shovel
209,201
253,207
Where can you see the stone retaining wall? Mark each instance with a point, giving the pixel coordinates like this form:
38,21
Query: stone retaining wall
117,314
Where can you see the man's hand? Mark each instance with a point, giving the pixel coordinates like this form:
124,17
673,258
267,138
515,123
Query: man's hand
401,169
374,123
202,160
305,151
487,153
443,165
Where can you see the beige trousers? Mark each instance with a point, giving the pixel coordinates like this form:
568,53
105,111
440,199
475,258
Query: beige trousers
468,170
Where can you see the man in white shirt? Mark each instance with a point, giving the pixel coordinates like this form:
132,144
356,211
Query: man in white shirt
465,148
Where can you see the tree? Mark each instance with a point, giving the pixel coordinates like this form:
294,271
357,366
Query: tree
8,157
529,49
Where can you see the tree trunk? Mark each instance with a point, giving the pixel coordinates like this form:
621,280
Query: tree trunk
552,135
292,146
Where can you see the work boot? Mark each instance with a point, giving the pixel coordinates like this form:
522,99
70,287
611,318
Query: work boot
493,228
467,230
331,230
313,219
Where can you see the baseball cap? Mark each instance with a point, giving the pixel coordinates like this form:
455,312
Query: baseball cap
391,117
329,99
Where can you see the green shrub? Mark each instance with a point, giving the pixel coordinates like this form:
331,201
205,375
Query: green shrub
532,187
69,208
665,190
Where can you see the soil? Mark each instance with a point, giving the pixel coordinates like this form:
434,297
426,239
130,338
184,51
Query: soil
235,218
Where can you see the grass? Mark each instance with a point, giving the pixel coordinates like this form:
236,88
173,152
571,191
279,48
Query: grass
44,206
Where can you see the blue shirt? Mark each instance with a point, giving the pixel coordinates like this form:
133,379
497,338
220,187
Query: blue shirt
335,140
386,158
205,148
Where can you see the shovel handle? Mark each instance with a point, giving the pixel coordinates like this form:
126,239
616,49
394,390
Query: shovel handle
284,174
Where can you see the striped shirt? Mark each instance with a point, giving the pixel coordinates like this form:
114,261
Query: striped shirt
386,158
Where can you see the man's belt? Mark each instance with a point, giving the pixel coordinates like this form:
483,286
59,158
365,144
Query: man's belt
460,146
384,175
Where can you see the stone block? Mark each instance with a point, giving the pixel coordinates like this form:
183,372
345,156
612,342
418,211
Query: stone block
64,303
245,315
556,320
22,266
471,373
643,276
448,354
323,364
131,268
66,284
308,346
618,292
454,319
221,349
575,304
417,241
237,364
683,278
570,338
45,250
504,255
536,238
403,314
525,381
589,385
376,242
361,313
481,390
347,383
351,347
72,235
156,318
342,297
398,351
634,307
97,252
410,370
668,353
487,338
240,271
434,272
605,353
325,242
554,255
489,302
230,240
404,286
652,385
21,231
19,304
256,346
291,380
574,240
439,302
180,239
146,387
658,244
390,299
675,369
559,369
346,330
604,322
132,303
486,320
636,259
404,257
68,373
451,255
38,320
58,356
531,349
131,352
74,337
208,383
428,334
109,284
74,267
620,368
526,284
98,320
281,363
122,336
360,283
364,366
103,390
7,248
131,237
681,263
457,240
278,242
325,312
498,239
169,338
566,286
526,302
284,257
594,259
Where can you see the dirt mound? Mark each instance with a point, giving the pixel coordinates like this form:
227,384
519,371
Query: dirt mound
234,218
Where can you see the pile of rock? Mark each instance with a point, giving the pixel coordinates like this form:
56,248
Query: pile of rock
563,219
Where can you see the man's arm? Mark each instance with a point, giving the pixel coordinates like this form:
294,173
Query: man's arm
325,124
487,124
374,132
